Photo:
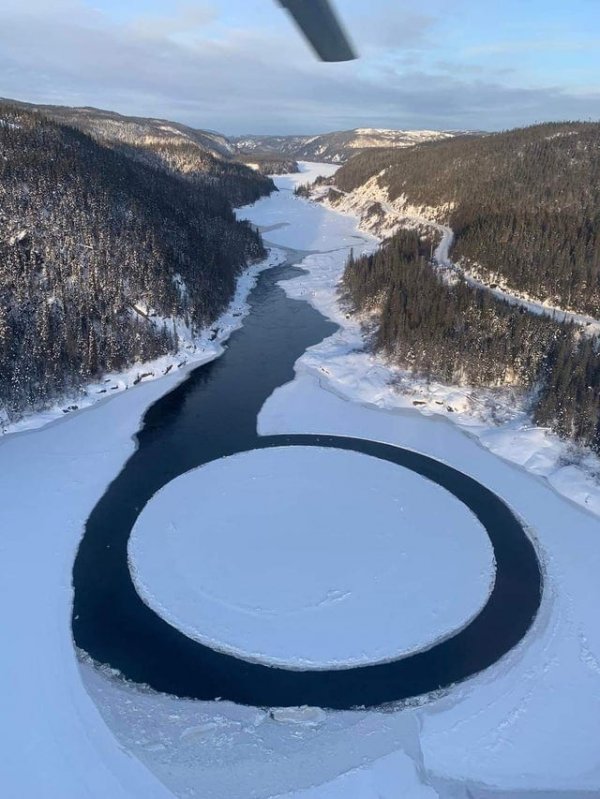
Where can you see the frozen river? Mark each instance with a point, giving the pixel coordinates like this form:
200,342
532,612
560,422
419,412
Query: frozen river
424,635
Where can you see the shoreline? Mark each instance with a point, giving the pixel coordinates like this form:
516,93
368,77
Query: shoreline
194,352
570,470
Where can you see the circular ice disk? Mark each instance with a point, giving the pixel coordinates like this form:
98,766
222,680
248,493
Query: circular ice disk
310,558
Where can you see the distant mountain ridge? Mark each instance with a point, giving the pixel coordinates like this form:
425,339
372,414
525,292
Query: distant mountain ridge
194,152
113,126
339,146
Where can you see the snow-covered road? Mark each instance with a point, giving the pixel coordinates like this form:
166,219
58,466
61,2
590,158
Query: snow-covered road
401,214
589,324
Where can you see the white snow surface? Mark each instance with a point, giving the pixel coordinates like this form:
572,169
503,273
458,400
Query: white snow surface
53,742
225,751
286,222
527,728
393,776
532,721
310,557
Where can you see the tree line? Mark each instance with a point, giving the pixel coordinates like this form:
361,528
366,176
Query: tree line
453,332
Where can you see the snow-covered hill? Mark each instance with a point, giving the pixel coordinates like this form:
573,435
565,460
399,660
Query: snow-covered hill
339,146
201,147
517,214
202,156
106,263
111,126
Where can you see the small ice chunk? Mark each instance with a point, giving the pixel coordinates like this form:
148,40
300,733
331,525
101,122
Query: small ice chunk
307,716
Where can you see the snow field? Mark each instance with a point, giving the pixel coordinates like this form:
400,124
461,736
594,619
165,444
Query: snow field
54,742
523,729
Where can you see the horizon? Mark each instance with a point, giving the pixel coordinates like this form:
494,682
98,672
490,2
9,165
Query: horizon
295,134
217,65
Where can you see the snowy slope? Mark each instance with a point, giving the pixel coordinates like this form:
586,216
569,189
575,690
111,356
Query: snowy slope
339,146
111,126
53,742
379,215
194,347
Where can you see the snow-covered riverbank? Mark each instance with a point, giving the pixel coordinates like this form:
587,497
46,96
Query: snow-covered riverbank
499,418
502,291
54,743
525,728
527,723
194,350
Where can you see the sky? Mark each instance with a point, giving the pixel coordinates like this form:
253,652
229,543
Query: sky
239,66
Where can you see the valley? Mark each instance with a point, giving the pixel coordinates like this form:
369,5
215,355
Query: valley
459,739
299,400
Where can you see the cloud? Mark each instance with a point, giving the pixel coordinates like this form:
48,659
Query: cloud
394,28
183,19
457,68
565,45
189,67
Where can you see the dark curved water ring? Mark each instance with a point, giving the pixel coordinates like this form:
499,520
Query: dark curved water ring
200,672
213,414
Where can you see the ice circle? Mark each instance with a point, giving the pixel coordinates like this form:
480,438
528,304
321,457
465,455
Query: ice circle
310,558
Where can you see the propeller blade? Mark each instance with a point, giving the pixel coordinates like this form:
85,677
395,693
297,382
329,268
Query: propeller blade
319,24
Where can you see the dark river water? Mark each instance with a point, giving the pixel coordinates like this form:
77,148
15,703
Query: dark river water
213,414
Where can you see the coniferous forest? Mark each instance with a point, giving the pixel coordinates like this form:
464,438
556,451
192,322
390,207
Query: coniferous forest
524,205
199,156
86,234
456,333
